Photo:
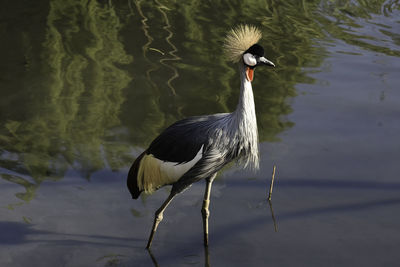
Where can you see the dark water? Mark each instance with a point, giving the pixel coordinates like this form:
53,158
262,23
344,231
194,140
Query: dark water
86,85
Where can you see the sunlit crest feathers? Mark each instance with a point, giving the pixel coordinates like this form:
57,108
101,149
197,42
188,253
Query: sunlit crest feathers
239,39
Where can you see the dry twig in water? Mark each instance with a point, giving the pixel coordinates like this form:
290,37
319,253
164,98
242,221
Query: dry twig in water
272,183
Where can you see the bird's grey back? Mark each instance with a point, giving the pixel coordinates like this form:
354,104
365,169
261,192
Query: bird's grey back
219,132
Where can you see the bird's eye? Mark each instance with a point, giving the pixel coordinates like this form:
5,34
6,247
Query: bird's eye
249,59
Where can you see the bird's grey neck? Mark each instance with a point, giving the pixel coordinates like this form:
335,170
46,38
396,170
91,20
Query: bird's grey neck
244,117
245,107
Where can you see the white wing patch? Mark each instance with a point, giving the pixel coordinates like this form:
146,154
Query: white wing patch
174,170
154,173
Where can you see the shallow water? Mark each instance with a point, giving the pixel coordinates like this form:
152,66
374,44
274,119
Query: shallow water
86,85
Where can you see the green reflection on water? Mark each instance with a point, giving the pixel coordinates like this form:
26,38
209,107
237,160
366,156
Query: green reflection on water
75,88
84,83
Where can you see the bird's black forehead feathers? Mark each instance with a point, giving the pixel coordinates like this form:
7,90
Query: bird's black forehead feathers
255,49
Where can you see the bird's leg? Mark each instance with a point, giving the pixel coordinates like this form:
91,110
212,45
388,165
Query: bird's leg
205,211
158,217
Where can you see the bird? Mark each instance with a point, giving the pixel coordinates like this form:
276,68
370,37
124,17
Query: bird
196,148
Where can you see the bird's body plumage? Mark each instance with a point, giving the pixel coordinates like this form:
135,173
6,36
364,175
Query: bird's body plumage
197,148
205,143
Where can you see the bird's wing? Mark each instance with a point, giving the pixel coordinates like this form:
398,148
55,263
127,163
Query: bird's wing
211,162
182,141
180,149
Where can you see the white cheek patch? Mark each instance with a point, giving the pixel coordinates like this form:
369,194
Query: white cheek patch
249,59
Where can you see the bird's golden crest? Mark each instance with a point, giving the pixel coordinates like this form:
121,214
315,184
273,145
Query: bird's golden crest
239,39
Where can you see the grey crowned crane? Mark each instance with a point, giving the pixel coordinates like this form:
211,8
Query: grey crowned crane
197,148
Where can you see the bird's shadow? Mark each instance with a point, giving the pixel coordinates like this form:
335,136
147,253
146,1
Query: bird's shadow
16,233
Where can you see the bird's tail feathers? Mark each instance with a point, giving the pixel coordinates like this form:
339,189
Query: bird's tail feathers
132,180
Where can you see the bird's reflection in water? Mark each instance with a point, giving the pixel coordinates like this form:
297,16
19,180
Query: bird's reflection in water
153,259
206,257
206,252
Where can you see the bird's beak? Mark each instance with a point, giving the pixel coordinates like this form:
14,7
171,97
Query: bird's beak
260,61
264,61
